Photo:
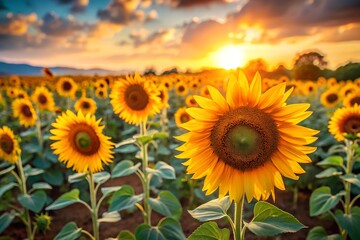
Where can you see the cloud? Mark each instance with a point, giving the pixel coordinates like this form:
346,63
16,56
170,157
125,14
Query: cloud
120,11
190,3
77,6
161,37
17,24
55,25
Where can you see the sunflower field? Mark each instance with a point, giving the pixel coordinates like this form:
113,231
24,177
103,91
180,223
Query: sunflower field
210,155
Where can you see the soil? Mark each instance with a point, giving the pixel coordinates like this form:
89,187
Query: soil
129,221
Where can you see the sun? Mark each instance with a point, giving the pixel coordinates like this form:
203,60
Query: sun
229,57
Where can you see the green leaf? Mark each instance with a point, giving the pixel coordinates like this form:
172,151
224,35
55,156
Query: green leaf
125,142
49,155
65,200
332,161
126,235
336,149
210,231
165,170
321,201
329,172
167,228
6,170
144,139
319,233
270,220
350,222
6,188
110,217
29,132
29,171
34,202
101,177
124,168
69,232
124,198
77,177
166,204
160,135
352,178
212,210
163,150
54,177
32,147
41,185
126,149
5,220
108,190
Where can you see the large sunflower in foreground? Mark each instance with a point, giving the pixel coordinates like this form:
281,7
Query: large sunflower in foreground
43,98
24,110
245,142
9,146
134,99
86,105
345,120
79,142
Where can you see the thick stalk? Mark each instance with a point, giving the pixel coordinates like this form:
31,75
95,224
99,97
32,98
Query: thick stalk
147,208
347,185
94,212
38,129
24,191
238,215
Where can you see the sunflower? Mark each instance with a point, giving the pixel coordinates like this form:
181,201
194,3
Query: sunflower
331,82
14,81
66,87
164,96
9,146
181,116
190,101
345,120
204,91
351,99
321,81
181,89
245,142
330,97
3,84
22,94
86,105
79,142
348,89
101,93
309,87
134,99
24,110
167,83
12,92
101,83
43,98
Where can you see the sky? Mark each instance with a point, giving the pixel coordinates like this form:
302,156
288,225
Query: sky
187,34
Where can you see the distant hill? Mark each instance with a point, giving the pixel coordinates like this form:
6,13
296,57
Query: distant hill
29,70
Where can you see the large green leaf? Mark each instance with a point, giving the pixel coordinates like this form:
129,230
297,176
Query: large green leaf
6,188
77,177
6,170
41,185
124,198
34,202
108,190
126,235
167,228
210,231
5,220
352,178
65,200
329,172
269,221
69,232
54,177
350,222
29,171
110,217
165,170
124,168
332,161
212,210
319,233
101,177
321,201
166,204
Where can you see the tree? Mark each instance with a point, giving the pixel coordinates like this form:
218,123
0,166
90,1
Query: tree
310,58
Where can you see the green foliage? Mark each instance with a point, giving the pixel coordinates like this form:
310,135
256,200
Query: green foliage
321,200
124,198
65,200
69,232
319,233
34,202
5,220
167,228
124,168
167,205
212,210
350,222
210,231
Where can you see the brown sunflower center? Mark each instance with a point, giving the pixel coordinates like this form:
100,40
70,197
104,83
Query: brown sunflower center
348,91
352,125
244,138
101,93
67,86
161,95
42,99
184,118
84,139
85,105
6,143
25,110
355,100
332,97
192,101
181,88
136,97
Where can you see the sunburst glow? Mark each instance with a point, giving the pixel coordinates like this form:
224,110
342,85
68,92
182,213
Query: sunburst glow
229,57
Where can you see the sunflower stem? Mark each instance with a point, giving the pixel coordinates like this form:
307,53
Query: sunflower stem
94,212
238,215
147,208
24,191
38,129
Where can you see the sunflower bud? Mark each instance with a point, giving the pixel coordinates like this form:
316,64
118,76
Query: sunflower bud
43,222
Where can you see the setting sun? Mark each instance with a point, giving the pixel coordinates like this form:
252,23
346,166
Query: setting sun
229,57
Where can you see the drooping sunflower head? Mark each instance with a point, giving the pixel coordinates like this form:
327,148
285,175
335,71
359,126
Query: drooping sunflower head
80,143
181,116
135,99
66,87
86,105
345,121
245,142
330,98
43,98
190,101
9,146
24,110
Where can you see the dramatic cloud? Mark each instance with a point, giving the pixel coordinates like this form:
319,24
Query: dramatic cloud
159,38
120,11
55,25
190,3
76,5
